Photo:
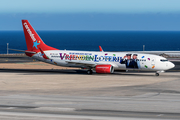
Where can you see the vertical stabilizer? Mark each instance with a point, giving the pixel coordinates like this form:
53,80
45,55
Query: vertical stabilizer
33,41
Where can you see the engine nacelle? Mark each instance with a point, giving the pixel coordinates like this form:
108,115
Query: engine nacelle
104,69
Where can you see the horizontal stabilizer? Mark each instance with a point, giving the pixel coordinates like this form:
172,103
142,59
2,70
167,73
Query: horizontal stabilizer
22,51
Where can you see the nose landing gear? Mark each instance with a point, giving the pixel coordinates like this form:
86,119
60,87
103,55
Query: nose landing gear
157,73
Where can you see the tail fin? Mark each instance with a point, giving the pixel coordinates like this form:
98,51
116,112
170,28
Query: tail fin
33,41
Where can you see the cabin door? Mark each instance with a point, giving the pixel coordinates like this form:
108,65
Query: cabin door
153,61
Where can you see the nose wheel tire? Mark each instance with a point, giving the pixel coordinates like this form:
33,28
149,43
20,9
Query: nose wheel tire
157,74
89,72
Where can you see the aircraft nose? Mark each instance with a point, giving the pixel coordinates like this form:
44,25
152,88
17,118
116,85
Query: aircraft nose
171,65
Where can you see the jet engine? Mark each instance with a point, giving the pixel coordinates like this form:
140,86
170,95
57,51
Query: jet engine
104,69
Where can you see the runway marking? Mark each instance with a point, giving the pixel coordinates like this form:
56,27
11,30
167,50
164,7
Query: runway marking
160,115
10,108
16,114
55,109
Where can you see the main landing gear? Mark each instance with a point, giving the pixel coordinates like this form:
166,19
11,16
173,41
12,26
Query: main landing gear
89,72
157,74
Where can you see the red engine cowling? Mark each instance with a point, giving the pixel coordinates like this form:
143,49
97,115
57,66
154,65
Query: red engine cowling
104,69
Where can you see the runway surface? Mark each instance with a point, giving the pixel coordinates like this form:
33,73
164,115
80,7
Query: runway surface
71,94
43,95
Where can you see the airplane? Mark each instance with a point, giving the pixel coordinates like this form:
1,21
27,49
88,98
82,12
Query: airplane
98,61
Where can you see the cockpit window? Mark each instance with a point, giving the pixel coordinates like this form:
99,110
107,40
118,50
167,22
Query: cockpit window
163,60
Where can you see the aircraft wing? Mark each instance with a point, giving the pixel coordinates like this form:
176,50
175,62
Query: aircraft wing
87,64
82,63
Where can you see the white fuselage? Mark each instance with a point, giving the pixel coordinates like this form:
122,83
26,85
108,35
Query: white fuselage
89,59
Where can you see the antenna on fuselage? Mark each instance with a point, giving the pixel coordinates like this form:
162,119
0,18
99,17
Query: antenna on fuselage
143,47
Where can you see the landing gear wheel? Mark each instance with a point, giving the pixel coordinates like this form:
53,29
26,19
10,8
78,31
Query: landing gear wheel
157,74
89,72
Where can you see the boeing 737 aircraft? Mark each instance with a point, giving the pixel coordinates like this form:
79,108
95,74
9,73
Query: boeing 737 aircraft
100,61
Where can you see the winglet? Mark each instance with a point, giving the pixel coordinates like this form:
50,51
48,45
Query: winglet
100,48
43,54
